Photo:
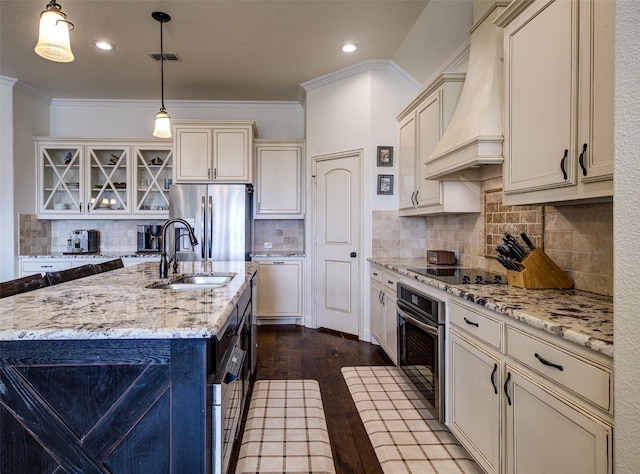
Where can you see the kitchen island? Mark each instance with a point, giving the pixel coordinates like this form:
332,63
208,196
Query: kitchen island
109,374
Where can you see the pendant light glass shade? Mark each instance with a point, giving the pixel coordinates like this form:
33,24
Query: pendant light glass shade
53,41
163,125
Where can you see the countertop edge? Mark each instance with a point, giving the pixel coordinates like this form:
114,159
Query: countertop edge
469,293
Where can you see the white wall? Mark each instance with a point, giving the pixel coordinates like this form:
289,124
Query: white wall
134,119
354,112
626,231
7,236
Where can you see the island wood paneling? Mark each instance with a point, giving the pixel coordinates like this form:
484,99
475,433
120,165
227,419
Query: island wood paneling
98,406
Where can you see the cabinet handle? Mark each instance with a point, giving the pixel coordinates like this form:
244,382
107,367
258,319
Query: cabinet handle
471,323
383,297
380,293
46,266
215,173
547,363
375,274
506,388
493,378
581,160
417,191
563,163
278,263
413,200
258,206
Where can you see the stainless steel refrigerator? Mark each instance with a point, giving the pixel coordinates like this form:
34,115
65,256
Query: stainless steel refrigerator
220,215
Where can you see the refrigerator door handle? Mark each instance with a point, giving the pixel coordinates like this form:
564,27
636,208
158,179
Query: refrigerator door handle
211,227
202,224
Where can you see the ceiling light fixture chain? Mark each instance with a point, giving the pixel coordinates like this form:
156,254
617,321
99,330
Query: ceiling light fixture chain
162,121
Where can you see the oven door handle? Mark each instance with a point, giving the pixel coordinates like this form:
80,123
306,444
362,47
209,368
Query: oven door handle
432,330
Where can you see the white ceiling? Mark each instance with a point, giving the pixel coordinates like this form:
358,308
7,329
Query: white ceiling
253,50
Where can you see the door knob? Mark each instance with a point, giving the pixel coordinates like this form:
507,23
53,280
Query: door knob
353,255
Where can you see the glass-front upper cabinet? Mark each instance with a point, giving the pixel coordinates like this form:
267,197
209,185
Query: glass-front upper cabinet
108,178
60,183
103,178
153,176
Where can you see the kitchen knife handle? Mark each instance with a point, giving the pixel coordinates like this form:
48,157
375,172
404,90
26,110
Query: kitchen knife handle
527,241
581,160
563,163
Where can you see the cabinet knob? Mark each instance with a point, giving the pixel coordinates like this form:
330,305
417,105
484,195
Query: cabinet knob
353,255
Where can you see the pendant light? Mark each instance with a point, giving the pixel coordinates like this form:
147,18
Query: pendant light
53,41
163,121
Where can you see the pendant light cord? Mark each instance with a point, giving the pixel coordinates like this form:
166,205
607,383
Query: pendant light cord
161,68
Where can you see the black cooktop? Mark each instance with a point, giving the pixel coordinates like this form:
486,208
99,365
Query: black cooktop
461,276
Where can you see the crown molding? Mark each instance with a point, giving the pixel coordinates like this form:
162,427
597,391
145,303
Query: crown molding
364,66
190,104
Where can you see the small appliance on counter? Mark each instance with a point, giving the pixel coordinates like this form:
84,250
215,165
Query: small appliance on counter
149,238
82,241
441,257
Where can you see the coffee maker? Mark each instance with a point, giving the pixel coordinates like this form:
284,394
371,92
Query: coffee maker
149,238
82,241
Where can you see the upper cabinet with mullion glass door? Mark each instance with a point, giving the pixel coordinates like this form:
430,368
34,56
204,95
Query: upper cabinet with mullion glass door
60,187
108,178
153,175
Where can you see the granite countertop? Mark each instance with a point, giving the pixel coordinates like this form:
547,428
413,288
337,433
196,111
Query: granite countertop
577,316
118,305
279,254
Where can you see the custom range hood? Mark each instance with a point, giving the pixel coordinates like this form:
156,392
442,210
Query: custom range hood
472,142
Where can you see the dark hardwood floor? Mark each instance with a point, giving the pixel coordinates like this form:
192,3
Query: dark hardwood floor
296,353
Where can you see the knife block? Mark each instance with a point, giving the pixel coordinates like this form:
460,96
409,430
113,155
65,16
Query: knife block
539,271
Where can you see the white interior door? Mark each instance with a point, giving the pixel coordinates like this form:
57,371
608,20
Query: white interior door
338,242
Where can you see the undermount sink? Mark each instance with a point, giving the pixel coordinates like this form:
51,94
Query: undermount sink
196,282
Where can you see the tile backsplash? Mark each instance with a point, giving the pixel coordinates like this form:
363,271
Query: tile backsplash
35,235
287,235
579,238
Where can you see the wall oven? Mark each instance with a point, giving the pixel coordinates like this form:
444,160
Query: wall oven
421,349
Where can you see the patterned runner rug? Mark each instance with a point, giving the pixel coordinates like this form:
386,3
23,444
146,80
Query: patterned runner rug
286,430
404,434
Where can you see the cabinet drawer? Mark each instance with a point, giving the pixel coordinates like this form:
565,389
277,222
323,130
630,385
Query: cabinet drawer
29,267
375,273
390,281
481,326
569,370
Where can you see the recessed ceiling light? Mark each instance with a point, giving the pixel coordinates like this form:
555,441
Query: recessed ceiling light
104,45
348,47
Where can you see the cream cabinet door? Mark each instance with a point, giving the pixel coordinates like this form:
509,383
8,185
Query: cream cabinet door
193,154
279,180
475,415
279,288
60,177
541,103
232,148
546,433
391,325
429,122
377,312
406,163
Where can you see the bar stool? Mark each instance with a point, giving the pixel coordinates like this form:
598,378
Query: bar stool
53,278
106,266
22,285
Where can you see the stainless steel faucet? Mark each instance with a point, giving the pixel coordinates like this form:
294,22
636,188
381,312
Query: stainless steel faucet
164,262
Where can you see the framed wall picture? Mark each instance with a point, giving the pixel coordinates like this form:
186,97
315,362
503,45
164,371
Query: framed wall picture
385,156
385,184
